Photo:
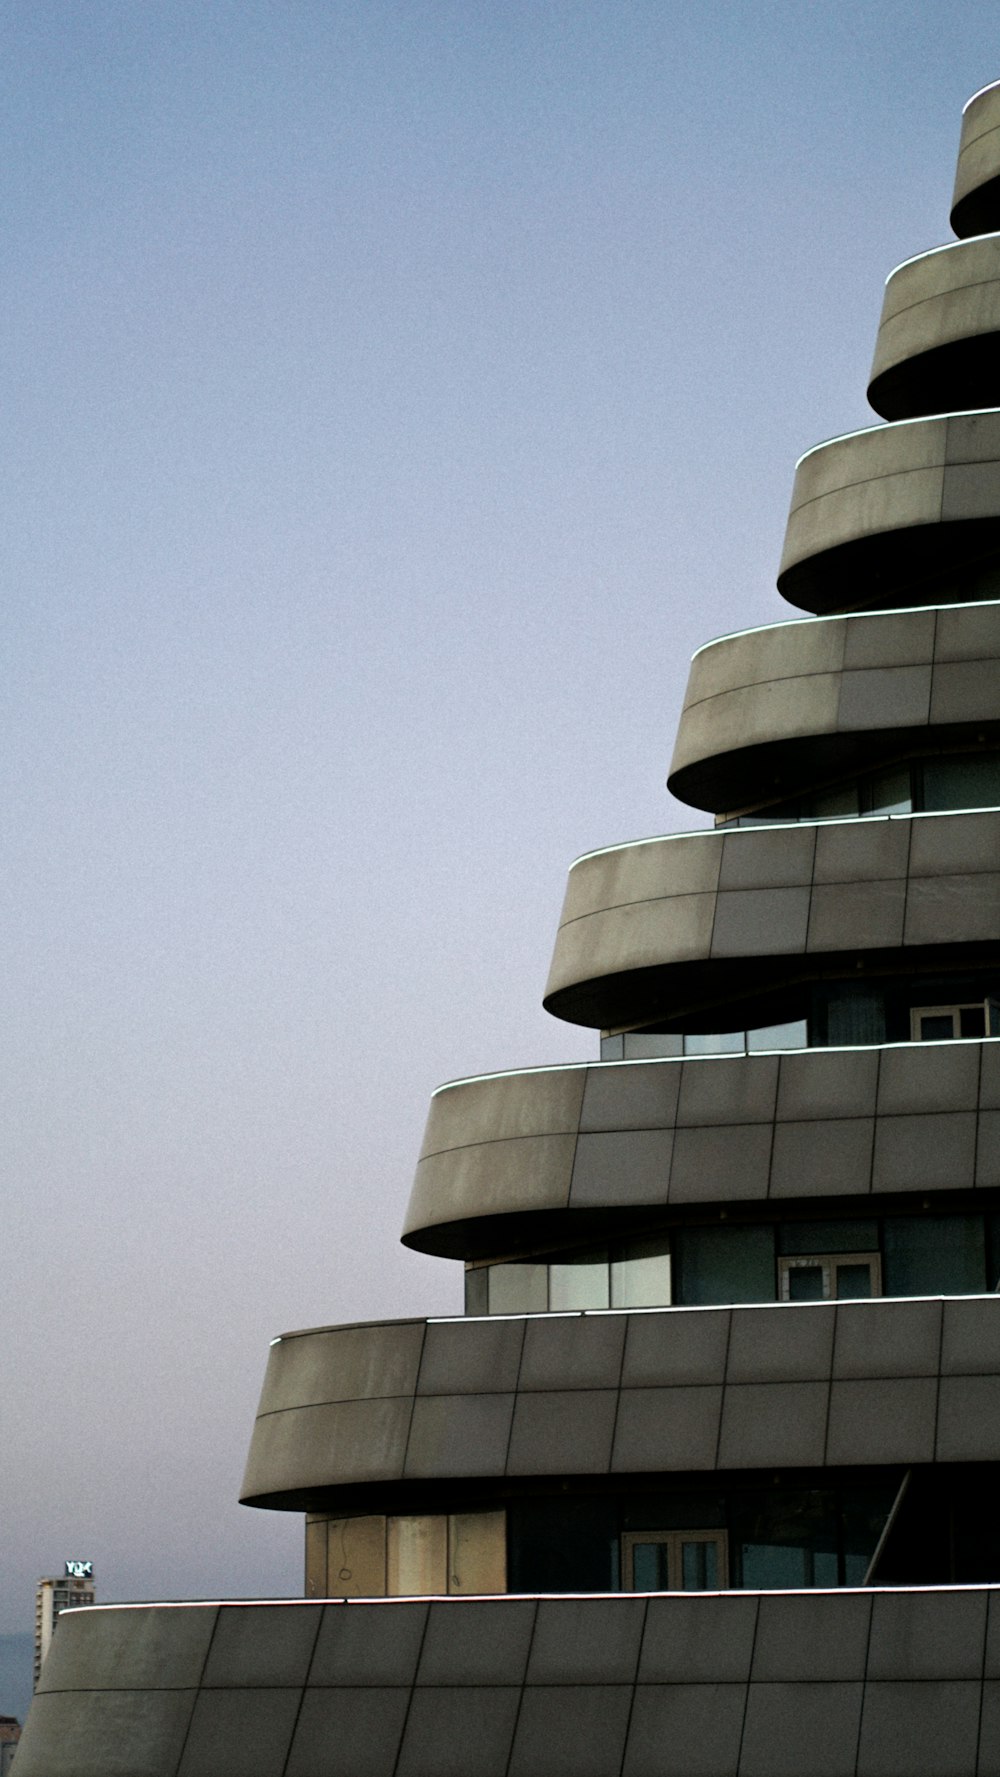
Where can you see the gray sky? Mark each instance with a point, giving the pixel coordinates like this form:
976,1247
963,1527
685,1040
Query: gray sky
396,393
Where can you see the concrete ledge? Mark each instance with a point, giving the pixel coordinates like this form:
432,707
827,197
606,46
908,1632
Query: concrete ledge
938,346
830,1123
752,1684
975,204
651,929
673,1390
796,704
902,514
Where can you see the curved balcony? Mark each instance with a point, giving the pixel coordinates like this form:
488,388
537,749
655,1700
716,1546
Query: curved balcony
905,514
657,928
355,1417
975,204
556,1154
784,708
938,346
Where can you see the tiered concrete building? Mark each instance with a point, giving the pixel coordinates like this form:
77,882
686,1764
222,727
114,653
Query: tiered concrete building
724,1412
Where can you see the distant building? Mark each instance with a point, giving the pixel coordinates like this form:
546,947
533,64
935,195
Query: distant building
10,1734
75,1586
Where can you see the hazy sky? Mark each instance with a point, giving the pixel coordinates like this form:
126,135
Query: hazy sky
396,393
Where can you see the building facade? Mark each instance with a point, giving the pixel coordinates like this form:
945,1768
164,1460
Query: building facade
69,1590
703,1482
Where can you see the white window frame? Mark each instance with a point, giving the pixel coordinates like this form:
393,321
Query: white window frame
828,1264
988,1006
674,1541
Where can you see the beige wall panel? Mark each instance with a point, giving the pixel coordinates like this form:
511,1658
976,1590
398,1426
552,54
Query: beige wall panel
746,716
636,936
355,1440
775,652
106,1733
967,632
859,457
938,321
688,862
973,437
343,1364
495,1109
861,851
890,638
966,691
967,908
892,502
856,915
528,1173
355,1557
884,697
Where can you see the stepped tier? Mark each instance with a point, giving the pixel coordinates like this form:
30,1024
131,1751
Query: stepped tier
905,514
665,927
774,712
558,1155
877,1683
356,1419
938,347
975,204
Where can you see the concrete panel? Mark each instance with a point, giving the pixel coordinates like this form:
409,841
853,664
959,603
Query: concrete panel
570,1731
573,1351
885,697
927,1153
969,1419
369,1644
927,1635
354,1440
966,907
857,916
763,858
599,1645
989,1077
896,638
630,1095
823,1158
688,862
715,1164
781,1344
342,1364
133,1648
967,632
459,1435
892,1339
698,1639
637,936
563,1434
881,1422
812,1636
926,1730
678,1348
528,1173
773,1425
355,1732
135,1733
929,1077
949,845
461,1359
672,1429
970,491
700,1724
727,1089
794,1728
829,1083
761,922
453,1730
233,1732
874,850
480,1642
264,1647
630,1166
544,1101
970,1343
965,691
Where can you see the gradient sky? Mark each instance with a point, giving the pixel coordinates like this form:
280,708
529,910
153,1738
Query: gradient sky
396,393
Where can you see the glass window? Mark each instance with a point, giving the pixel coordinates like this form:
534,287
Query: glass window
640,1273
829,1277
792,1035
785,1539
934,1255
613,1048
727,1042
833,805
850,1236
889,792
855,1014
579,1280
674,1560
518,1288
724,1265
937,1024
964,780
645,1045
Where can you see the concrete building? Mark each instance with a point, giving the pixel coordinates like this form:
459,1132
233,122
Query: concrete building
705,1480
10,1734
70,1590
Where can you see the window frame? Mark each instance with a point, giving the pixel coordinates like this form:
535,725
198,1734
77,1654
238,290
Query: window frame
828,1263
674,1541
